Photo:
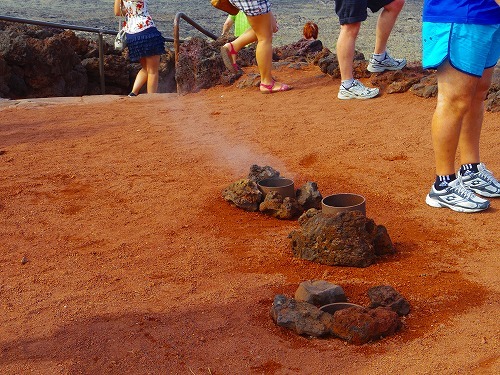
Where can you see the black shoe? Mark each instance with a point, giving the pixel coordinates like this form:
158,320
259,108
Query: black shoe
131,94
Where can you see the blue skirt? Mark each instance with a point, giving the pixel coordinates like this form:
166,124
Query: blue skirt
146,43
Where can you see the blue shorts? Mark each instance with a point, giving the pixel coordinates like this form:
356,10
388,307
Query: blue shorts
469,48
353,11
252,7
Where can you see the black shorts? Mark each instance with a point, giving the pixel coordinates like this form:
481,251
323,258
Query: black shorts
352,11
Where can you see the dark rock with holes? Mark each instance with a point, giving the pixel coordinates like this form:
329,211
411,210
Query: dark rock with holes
46,62
329,64
301,317
40,65
249,80
307,215
199,66
281,208
244,194
347,239
258,173
398,81
358,325
387,296
359,69
308,196
493,102
319,292
115,70
246,56
426,87
302,48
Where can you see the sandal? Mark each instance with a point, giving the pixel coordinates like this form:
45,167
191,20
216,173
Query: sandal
269,88
226,57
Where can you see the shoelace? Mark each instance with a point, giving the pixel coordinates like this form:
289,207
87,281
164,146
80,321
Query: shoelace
461,190
360,85
487,175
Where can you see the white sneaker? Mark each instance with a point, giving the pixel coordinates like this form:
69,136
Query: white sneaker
483,182
456,197
357,91
389,63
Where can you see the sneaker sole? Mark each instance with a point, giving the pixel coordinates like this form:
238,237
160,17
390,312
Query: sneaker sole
371,69
347,97
434,203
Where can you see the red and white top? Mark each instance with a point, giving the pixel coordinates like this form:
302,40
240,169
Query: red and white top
137,17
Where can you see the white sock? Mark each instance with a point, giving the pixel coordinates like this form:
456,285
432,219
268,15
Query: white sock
379,56
347,83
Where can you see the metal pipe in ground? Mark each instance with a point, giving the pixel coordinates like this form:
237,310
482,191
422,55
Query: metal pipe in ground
101,63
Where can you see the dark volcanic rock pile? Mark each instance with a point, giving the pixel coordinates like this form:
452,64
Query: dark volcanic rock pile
42,62
346,239
319,310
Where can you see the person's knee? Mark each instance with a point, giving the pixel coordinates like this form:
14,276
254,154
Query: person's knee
264,38
152,65
351,29
395,6
455,101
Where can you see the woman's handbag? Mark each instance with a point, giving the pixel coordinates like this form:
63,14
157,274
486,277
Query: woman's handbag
226,6
121,37
120,40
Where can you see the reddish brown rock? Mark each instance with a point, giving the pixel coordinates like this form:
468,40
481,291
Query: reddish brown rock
358,325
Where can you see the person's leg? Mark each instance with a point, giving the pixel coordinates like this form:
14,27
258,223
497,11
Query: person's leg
385,24
263,27
381,60
240,42
456,94
346,45
456,91
473,121
141,77
152,68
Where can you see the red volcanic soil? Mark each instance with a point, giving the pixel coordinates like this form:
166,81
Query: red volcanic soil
119,256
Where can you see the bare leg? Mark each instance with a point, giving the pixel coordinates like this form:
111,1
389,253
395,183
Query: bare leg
153,66
141,78
262,26
148,74
346,45
473,121
244,39
456,93
385,24
240,42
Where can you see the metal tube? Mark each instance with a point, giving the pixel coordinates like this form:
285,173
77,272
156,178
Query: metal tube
176,37
57,25
101,64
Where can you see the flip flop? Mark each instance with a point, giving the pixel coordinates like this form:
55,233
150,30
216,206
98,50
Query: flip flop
226,58
269,88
